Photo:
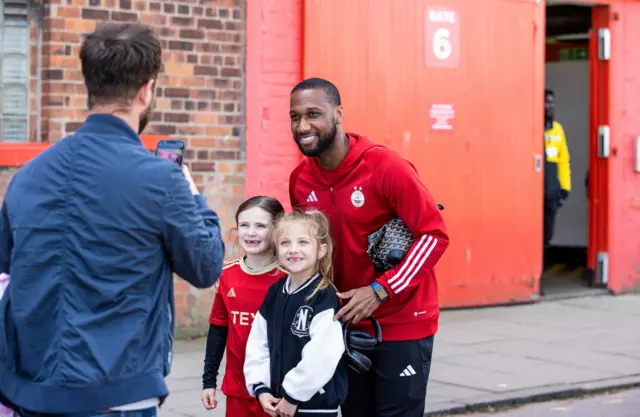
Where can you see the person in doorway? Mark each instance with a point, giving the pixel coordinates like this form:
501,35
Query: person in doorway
91,232
557,167
361,186
242,287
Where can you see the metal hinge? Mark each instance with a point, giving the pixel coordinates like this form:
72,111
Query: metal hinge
604,141
604,44
602,268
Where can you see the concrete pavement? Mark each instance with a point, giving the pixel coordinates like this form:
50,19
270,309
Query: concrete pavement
618,404
493,356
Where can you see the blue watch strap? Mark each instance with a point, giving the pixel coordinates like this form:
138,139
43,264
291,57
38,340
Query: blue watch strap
376,286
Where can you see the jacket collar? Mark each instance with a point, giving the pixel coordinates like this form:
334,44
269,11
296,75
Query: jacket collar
358,145
109,125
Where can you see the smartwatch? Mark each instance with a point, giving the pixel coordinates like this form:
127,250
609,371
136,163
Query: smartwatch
380,292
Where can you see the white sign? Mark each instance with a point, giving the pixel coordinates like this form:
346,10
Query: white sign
442,116
442,37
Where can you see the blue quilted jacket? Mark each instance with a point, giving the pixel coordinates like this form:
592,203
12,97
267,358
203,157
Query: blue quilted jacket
91,232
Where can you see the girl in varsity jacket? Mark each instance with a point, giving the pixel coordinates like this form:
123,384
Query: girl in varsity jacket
242,287
294,361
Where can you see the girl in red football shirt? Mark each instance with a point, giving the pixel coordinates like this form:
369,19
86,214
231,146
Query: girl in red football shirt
241,289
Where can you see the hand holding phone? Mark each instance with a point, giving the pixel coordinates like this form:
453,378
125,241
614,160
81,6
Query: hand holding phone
173,150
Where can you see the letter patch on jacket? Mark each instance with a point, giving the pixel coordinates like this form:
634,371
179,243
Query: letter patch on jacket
302,321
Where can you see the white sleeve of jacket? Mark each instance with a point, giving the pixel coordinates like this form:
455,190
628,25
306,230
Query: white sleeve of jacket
320,358
257,371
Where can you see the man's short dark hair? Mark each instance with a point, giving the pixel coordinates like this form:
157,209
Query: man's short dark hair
549,92
320,84
117,59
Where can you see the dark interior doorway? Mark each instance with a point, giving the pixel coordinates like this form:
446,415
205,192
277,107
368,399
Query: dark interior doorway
567,73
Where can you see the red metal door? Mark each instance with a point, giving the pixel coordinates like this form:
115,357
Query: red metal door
600,50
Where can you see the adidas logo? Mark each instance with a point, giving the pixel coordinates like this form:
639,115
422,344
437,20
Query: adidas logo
408,371
312,197
231,293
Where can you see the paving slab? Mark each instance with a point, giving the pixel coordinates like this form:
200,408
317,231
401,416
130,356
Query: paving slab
492,356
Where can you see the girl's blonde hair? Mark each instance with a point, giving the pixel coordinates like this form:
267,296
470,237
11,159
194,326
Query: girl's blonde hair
319,229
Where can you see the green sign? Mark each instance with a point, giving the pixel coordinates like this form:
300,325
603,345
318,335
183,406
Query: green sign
574,54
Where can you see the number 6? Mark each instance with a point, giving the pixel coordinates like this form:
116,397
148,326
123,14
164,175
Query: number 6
441,43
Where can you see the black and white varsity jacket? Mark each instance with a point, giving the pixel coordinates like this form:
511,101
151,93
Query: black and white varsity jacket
296,350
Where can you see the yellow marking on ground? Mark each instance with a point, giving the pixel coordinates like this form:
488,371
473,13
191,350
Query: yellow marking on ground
553,269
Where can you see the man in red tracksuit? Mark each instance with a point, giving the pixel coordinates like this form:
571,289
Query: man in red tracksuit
360,186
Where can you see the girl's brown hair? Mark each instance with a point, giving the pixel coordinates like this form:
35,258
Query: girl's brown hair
268,204
319,229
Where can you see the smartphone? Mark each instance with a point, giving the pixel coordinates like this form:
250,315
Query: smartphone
171,149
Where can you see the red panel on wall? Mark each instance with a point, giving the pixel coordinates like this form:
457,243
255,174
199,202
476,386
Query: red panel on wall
624,181
453,87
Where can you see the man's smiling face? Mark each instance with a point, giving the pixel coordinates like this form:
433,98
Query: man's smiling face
313,121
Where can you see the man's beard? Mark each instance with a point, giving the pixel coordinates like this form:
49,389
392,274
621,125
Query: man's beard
145,117
324,142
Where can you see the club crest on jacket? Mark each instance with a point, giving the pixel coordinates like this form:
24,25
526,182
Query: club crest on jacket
357,198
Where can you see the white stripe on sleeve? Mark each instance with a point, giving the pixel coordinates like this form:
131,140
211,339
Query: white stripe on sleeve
413,263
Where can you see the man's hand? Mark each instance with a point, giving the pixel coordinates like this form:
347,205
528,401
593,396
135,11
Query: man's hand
209,398
286,409
363,302
192,185
268,403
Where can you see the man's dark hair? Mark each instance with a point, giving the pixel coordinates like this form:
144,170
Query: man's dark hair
320,84
549,92
117,59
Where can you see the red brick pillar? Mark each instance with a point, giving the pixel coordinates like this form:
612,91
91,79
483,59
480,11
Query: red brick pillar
274,66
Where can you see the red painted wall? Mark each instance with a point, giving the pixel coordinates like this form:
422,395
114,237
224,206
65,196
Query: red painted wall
274,62
624,191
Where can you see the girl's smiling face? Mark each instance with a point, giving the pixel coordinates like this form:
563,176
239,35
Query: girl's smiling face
254,231
298,250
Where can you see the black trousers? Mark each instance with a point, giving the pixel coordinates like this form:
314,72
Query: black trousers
550,211
396,386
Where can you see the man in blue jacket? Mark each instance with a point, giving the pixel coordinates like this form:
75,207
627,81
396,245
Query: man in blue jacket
91,231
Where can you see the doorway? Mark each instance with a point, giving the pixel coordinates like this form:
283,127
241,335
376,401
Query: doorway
568,74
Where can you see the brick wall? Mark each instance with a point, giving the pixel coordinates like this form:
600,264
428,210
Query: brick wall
5,176
200,96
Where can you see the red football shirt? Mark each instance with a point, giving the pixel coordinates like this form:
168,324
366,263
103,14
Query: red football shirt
238,299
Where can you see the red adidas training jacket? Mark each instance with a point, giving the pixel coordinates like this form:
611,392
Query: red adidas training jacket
363,193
